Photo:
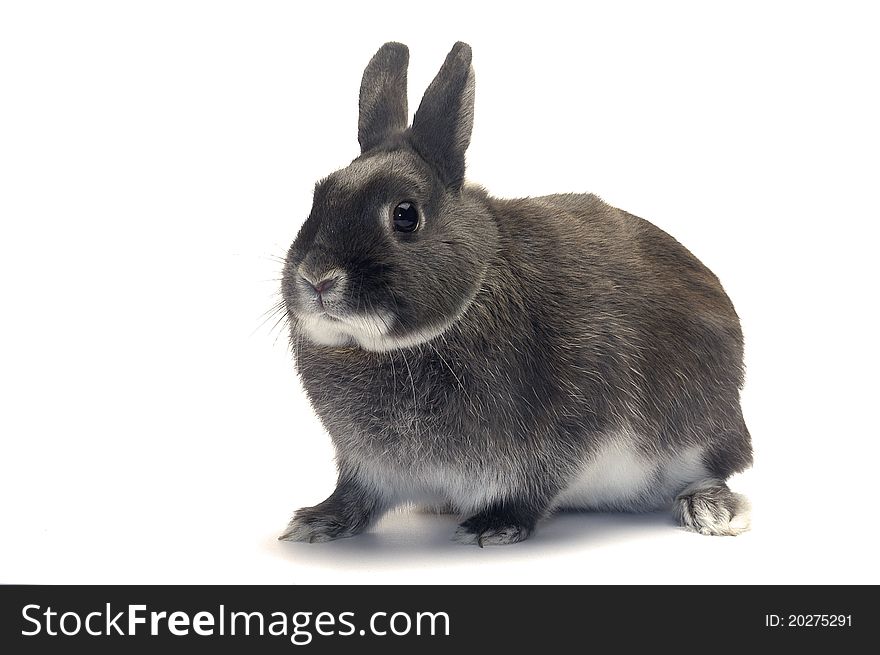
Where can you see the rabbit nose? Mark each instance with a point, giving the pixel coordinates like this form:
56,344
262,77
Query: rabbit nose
329,279
325,285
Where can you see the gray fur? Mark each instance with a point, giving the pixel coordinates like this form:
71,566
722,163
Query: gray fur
444,120
383,107
506,347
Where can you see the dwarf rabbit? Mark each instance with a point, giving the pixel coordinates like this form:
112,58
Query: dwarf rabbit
504,358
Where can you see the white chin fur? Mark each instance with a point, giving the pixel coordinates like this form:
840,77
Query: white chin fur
368,331
352,331
371,330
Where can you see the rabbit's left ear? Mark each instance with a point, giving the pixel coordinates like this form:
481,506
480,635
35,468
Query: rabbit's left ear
441,130
383,108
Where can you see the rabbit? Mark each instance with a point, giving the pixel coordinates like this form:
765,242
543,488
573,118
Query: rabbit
502,358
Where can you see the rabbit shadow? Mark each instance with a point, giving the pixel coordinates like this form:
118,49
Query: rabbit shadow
407,537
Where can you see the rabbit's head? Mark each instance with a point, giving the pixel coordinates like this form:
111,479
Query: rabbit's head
395,248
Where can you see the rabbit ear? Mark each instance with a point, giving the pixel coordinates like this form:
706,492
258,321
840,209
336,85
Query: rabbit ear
383,108
442,126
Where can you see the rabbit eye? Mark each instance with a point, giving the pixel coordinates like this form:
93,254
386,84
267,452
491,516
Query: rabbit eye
406,217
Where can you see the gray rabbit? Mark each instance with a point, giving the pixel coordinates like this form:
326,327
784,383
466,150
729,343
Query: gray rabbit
503,358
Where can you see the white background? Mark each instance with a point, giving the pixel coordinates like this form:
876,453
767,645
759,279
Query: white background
157,158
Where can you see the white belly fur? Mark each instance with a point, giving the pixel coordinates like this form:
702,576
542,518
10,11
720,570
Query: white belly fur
620,478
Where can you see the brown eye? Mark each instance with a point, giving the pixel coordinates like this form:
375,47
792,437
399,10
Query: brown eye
406,217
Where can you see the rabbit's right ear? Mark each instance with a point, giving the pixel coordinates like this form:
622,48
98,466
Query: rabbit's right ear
383,109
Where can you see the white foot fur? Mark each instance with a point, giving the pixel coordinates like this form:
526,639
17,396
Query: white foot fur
314,528
709,507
